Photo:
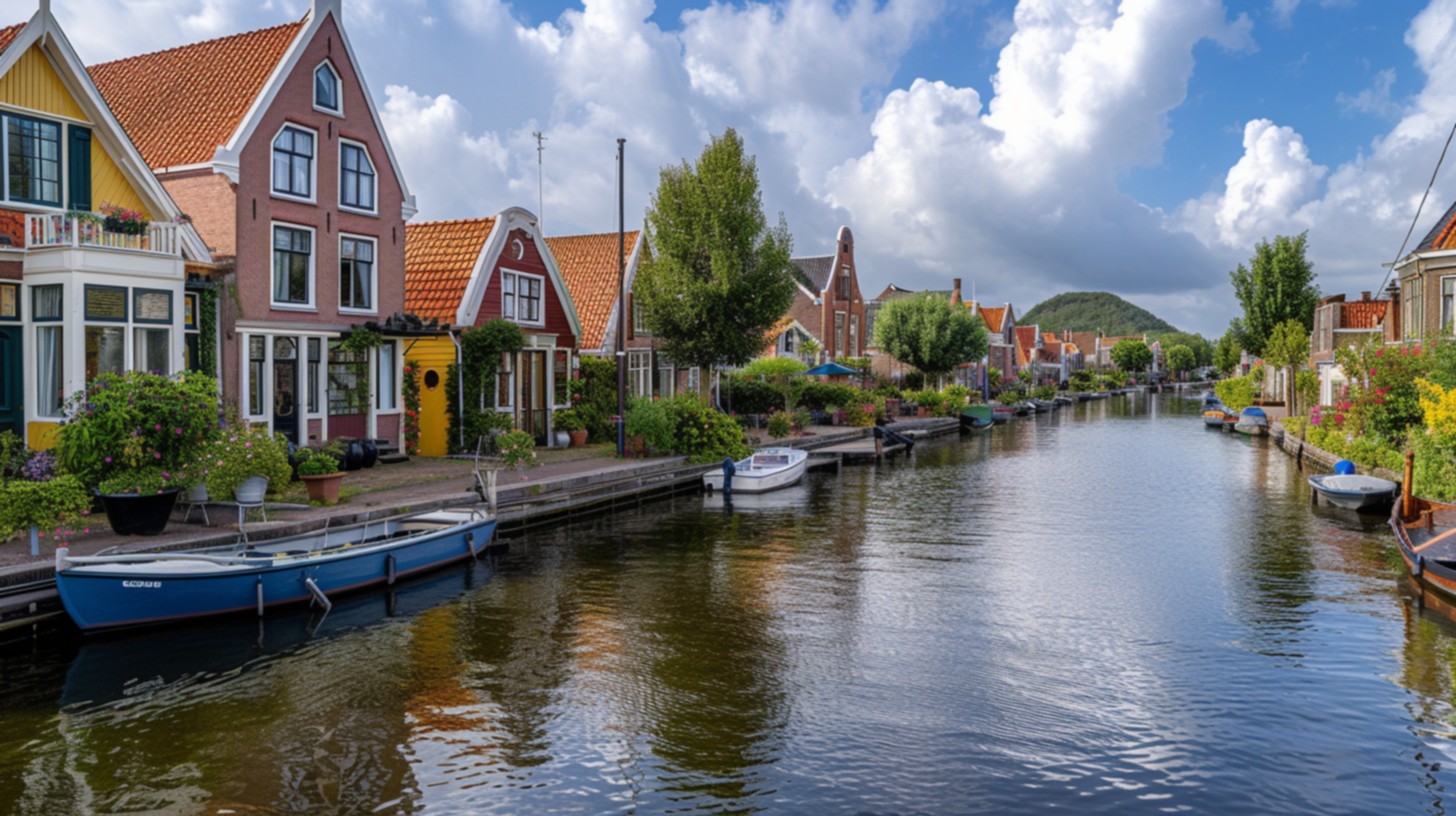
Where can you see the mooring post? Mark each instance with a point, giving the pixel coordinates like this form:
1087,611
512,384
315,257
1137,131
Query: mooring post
1407,500
490,501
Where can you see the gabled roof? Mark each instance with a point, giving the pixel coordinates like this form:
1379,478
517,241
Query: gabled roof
439,259
814,272
771,337
1050,339
995,318
1363,314
7,35
589,264
1443,234
891,292
218,79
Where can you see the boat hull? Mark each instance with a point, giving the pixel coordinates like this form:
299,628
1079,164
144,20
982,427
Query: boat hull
1432,571
750,480
1359,493
100,598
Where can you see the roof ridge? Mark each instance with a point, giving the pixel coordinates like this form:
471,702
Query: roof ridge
185,46
445,221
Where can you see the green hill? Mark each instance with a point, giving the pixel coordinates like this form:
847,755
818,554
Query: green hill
1091,311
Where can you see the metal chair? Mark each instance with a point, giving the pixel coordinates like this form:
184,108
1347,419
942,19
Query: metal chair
249,495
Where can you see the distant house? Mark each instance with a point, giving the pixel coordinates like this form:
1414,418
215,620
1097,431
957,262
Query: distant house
1001,333
828,305
464,273
1340,324
1427,280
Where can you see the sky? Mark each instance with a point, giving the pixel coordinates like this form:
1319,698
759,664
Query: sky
1142,147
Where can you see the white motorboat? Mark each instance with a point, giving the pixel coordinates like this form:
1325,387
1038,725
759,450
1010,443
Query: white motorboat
767,469
1353,491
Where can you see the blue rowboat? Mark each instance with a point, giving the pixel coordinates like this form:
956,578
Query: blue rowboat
976,417
108,591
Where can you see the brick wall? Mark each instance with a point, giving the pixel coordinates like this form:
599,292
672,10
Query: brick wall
208,198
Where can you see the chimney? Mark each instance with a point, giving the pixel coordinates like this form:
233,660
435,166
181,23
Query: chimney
1364,297
955,291
1393,329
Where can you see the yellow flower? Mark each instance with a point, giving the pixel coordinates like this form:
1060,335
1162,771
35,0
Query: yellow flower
1438,406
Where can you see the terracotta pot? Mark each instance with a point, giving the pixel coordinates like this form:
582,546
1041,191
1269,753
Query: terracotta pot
578,438
323,487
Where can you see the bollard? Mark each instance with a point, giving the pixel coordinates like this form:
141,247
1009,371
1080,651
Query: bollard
728,470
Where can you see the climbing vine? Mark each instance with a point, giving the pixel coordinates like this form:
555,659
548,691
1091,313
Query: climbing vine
411,386
361,338
207,331
480,351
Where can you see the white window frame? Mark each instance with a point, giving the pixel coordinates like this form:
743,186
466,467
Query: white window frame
373,308
640,375
373,168
34,350
273,191
1448,316
288,306
338,89
508,368
516,293
390,349
265,385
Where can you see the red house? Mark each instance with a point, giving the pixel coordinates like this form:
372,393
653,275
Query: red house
828,306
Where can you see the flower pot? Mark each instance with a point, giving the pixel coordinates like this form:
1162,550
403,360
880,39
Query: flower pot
133,514
562,439
252,490
578,438
198,493
323,487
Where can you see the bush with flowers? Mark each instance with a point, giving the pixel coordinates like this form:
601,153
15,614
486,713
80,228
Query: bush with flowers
411,387
517,449
121,220
240,452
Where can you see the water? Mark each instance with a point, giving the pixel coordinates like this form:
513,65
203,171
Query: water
1105,610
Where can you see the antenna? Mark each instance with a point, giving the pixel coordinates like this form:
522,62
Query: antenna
540,194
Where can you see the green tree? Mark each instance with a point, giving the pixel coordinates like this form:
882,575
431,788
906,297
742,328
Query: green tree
1132,356
1276,286
718,276
1226,352
1287,347
1201,348
930,333
1181,360
782,372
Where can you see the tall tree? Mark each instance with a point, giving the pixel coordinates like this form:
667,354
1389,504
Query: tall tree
1132,356
1226,351
1288,347
930,333
1181,360
1201,348
718,277
1277,285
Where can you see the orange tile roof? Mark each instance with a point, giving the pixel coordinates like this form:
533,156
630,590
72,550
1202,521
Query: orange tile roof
771,337
438,259
178,106
588,264
1364,314
7,35
1050,339
995,317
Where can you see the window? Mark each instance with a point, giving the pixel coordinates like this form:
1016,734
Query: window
639,320
9,301
791,342
292,266
1412,309
694,380
106,303
315,355
1448,303
387,379
840,335
503,391
356,274
561,374
326,88
521,297
50,374
348,381
33,160
639,372
257,357
105,350
152,352
842,284
293,163
191,334
152,306
356,177
45,302
666,378
853,348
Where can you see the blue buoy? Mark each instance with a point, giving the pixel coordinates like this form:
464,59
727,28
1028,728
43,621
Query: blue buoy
1344,467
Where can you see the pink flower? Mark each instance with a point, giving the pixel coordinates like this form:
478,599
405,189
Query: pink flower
179,431
108,460
156,454
1380,352
157,427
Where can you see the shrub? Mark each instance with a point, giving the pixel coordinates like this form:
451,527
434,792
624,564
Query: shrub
134,420
747,395
568,420
865,411
779,425
141,481
517,449
49,505
960,395
817,396
480,354
594,397
702,433
316,463
1236,393
913,381
650,419
239,453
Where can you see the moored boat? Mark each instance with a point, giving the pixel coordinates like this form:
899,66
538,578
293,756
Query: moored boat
1253,421
106,591
1214,417
1063,401
976,417
1002,413
1042,406
1353,491
767,469
1425,531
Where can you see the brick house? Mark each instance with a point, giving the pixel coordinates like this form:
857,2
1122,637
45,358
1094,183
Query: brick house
80,296
827,303
1339,324
466,272
271,142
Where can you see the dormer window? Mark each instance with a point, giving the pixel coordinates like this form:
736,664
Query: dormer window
326,89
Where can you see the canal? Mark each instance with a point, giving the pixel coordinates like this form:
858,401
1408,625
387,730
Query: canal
1107,610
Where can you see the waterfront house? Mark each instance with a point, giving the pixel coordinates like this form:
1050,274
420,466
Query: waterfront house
464,273
1427,281
271,142
80,295
1339,323
827,303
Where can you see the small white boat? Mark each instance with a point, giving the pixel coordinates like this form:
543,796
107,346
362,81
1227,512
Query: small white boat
767,469
1354,492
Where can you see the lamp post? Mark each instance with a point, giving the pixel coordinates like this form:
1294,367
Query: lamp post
621,304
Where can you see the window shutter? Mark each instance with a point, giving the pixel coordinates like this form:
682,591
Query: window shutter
80,168
631,320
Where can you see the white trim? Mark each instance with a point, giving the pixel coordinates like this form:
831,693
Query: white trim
228,156
289,306
509,219
34,113
540,321
629,277
273,192
349,208
373,275
374,359
338,88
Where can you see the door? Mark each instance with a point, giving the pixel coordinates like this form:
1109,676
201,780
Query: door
533,394
285,387
12,412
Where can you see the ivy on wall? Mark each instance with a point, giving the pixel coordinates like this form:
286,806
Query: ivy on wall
207,332
411,386
480,353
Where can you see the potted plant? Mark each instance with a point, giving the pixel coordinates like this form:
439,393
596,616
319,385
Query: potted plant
320,474
139,501
241,461
575,426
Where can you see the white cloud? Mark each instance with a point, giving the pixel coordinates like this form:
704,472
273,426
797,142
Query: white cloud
1374,100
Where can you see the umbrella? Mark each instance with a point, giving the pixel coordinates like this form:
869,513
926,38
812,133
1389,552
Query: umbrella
830,369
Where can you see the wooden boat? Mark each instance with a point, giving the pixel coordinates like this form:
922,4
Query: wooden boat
1354,492
1253,421
1002,413
1214,417
1023,409
767,469
1064,401
976,418
1426,534
1042,406
111,590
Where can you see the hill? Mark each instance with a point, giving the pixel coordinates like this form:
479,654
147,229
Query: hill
1091,311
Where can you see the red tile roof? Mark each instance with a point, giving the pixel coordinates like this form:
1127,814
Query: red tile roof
588,264
7,35
1363,314
1025,344
178,106
438,259
995,317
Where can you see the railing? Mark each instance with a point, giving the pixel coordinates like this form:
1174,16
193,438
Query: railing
62,230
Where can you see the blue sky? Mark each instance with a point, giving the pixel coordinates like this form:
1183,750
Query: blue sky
1031,147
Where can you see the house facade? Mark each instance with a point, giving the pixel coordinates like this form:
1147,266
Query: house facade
1338,324
827,303
1427,296
270,141
80,295
467,272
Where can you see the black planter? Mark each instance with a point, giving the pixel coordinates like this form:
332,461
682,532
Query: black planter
371,452
133,514
353,455
293,460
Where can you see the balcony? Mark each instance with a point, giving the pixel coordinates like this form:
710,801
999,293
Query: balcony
65,230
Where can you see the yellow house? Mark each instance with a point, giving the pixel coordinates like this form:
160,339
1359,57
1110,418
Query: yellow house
80,294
